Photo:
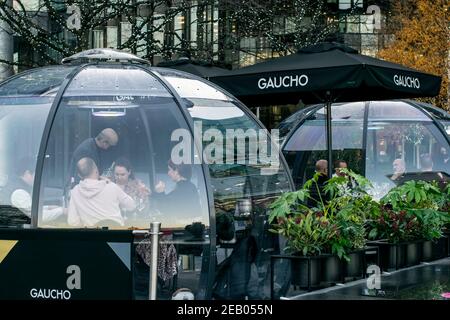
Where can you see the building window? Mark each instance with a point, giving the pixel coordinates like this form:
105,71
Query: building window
348,4
125,34
111,36
98,39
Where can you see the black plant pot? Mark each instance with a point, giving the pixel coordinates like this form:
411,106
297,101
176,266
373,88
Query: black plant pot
299,272
331,269
440,248
447,244
353,268
427,250
392,256
412,253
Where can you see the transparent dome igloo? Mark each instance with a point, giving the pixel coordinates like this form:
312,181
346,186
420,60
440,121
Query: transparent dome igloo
376,139
129,117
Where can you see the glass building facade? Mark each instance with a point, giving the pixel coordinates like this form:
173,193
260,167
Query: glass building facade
228,32
212,30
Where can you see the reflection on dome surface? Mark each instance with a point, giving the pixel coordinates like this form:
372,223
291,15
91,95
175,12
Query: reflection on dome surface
89,145
370,137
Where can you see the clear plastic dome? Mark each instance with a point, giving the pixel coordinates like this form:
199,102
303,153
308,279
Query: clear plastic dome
377,139
131,120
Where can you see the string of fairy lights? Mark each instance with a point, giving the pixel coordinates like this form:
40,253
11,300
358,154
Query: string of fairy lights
207,29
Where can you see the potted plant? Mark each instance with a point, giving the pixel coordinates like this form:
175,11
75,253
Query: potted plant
431,230
308,235
446,231
327,227
353,205
393,230
427,202
409,219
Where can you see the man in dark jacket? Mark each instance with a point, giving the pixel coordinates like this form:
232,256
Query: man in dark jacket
319,195
93,148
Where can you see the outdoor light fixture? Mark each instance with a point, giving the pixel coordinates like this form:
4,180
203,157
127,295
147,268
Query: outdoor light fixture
105,108
377,125
375,128
210,113
109,113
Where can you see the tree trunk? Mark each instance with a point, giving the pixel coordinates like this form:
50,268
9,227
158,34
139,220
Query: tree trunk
6,48
448,78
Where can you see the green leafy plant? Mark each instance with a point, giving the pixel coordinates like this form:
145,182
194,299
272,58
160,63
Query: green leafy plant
416,195
308,234
331,223
446,206
352,232
412,211
431,222
394,226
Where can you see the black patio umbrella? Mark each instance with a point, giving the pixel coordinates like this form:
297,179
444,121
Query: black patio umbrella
201,69
326,72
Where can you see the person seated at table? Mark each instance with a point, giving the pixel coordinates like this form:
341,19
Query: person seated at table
21,192
443,159
123,176
399,168
428,174
96,200
183,197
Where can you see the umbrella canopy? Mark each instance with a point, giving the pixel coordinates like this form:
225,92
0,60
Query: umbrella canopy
326,67
326,72
201,69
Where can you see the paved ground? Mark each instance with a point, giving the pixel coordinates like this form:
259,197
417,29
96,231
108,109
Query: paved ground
424,282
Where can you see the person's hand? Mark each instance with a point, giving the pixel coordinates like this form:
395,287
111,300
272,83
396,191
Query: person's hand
143,190
108,180
160,187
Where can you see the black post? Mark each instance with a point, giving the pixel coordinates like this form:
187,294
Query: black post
271,277
309,274
329,135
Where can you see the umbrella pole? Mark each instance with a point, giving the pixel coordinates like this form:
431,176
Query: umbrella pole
329,136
